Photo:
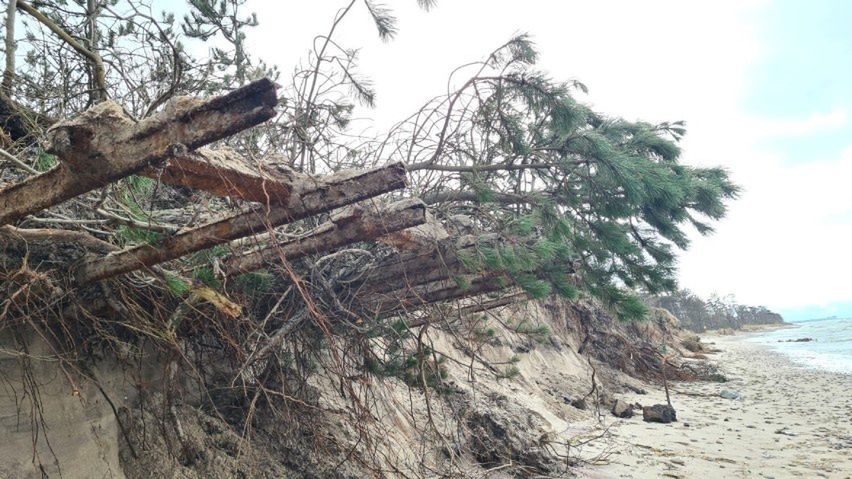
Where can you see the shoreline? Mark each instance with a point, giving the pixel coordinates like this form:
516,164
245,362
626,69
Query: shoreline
745,330
788,421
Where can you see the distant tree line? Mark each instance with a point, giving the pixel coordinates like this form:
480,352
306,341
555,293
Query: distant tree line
699,315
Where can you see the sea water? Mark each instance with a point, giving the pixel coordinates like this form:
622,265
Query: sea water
830,347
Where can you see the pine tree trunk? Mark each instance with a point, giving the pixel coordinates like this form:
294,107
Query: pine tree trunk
224,172
411,299
319,196
438,263
362,223
103,144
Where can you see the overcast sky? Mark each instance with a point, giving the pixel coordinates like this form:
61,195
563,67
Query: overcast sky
764,87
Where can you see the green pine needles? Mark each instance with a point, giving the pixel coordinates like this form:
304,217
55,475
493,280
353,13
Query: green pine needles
588,204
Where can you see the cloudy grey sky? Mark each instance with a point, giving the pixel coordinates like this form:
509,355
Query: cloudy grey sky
763,86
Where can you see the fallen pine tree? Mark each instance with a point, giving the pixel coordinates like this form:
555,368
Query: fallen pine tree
275,277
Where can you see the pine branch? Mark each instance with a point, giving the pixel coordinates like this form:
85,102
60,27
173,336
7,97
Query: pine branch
9,71
92,56
384,20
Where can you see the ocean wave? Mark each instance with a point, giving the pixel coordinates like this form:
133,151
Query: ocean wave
821,344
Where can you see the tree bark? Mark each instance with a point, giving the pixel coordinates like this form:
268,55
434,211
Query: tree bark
21,238
408,300
103,145
362,223
321,196
98,74
224,172
439,263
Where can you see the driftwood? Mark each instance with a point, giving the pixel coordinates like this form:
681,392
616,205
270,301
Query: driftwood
103,144
321,196
361,223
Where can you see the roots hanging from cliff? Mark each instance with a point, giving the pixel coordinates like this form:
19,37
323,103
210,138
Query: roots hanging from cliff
252,331
295,362
649,350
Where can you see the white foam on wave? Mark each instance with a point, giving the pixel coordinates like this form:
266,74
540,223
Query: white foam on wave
830,348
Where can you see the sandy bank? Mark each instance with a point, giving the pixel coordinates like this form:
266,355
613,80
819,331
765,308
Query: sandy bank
789,421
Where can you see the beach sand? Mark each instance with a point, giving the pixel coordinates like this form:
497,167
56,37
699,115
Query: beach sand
789,421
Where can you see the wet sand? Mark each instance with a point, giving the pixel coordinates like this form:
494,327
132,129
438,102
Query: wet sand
789,421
